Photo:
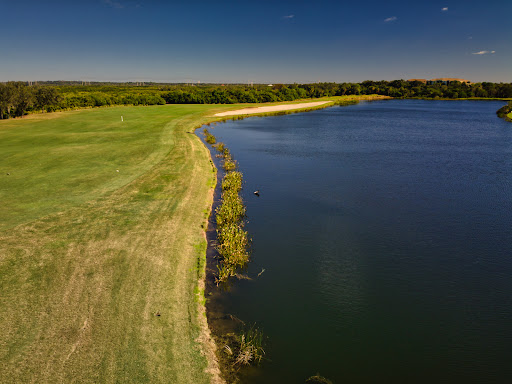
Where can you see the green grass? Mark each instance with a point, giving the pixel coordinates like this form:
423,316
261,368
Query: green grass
89,257
54,164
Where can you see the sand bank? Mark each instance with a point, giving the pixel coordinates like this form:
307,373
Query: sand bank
271,108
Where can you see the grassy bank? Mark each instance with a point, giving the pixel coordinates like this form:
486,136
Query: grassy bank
102,245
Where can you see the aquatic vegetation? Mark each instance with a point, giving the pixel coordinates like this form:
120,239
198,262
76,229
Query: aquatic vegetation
229,164
220,146
250,347
223,151
232,181
233,243
317,379
233,240
231,212
209,138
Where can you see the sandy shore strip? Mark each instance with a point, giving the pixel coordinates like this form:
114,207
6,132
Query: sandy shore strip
272,108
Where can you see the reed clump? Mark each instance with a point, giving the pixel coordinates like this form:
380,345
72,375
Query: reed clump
229,164
232,181
232,247
250,348
209,138
232,238
220,147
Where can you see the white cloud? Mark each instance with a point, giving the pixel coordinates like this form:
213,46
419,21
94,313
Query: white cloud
392,18
444,9
114,4
483,52
288,17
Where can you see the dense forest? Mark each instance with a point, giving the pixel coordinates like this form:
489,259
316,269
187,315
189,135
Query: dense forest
20,98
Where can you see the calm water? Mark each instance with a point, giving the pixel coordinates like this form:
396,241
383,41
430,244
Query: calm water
385,232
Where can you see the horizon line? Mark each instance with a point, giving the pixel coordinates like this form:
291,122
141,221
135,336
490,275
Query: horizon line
227,83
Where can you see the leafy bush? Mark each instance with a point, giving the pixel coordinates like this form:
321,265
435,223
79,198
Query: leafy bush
505,110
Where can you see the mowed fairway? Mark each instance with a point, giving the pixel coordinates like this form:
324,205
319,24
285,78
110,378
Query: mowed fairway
102,245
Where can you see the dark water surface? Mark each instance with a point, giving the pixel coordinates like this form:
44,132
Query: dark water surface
385,232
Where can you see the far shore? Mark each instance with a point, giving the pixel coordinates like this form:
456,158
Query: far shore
272,108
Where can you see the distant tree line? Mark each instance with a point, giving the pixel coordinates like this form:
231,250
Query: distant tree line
281,92
455,90
16,98
19,98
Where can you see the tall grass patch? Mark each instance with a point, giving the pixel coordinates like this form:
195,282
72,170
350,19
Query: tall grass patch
232,238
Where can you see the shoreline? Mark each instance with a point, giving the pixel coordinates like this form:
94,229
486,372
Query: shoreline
157,220
218,322
222,325
224,134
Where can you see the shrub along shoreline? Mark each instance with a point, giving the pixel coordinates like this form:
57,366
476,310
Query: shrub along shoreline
244,345
233,240
505,112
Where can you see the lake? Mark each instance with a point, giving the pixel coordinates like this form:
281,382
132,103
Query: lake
383,232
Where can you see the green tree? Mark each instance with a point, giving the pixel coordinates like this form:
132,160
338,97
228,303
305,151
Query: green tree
22,98
46,98
5,100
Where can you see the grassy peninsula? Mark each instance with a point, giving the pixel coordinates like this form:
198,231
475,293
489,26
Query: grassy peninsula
102,245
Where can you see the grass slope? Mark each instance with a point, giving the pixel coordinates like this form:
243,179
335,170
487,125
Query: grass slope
89,256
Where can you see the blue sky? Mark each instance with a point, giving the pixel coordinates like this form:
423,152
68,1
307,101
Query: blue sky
261,41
